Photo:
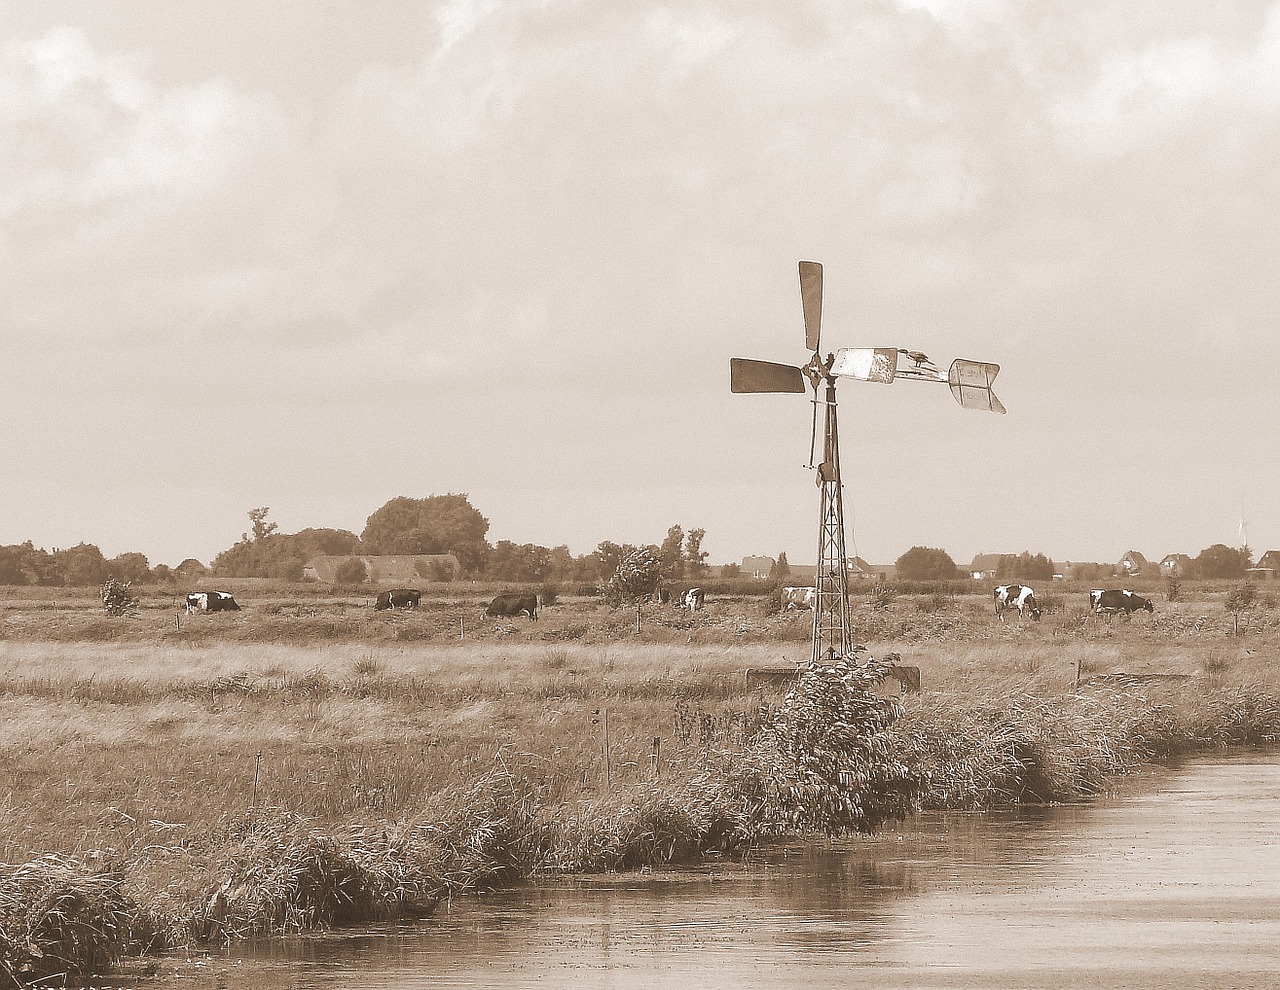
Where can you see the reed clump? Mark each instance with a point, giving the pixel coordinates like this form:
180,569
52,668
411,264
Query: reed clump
63,919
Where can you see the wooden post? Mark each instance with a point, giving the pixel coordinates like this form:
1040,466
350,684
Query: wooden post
257,766
462,629
608,768
657,757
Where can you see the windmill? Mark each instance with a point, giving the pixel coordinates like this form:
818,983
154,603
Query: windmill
970,384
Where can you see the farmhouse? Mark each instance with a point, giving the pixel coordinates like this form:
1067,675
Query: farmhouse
1267,568
985,565
1133,564
400,569
1175,565
757,567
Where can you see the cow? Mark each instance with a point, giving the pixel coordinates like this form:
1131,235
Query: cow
514,605
693,599
1113,600
798,598
398,598
211,601
1017,596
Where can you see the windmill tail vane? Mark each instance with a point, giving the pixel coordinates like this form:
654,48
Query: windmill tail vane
970,384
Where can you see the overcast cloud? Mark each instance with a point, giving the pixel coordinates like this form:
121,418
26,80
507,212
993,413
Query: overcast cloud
315,258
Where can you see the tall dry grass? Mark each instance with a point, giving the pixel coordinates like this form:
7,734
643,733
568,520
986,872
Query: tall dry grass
280,770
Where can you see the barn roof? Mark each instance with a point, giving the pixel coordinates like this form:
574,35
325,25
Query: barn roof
1136,559
988,561
1270,559
388,568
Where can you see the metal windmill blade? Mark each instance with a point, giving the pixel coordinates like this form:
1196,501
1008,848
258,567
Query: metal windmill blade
811,301
747,375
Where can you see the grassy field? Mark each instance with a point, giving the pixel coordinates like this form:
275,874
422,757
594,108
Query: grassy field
308,761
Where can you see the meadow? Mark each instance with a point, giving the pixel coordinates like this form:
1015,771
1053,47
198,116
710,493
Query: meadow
167,780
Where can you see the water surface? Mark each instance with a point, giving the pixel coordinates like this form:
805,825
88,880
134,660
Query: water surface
1175,882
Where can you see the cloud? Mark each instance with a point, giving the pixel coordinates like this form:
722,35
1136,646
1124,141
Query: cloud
92,129
1173,87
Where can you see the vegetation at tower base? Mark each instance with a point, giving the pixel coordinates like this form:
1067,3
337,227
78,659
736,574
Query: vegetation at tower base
825,761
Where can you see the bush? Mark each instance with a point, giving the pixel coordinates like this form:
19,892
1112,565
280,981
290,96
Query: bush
117,597
351,571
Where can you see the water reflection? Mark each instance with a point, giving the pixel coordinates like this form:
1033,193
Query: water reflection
1174,883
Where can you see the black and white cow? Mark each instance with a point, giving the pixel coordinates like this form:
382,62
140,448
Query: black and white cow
514,605
694,599
211,601
398,598
1112,601
1017,596
798,598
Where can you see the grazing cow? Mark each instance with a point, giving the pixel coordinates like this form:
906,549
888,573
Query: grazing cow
798,598
514,605
211,601
1112,601
398,598
694,599
1017,596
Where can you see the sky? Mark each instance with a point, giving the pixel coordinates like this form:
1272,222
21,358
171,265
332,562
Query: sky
314,256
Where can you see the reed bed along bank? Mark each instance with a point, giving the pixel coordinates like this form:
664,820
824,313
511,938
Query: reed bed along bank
156,794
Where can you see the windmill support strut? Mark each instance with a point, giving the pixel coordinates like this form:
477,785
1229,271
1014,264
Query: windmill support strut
831,605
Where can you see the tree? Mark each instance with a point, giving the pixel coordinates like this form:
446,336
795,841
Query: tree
525,562
261,528
607,557
1221,561
129,567
926,564
1024,566
435,524
81,565
282,555
673,562
731,570
694,554
637,575
781,569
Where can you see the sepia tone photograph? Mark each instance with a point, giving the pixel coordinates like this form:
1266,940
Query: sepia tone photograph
506,493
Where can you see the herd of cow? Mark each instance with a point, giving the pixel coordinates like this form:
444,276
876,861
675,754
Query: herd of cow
221,601
694,600
1009,596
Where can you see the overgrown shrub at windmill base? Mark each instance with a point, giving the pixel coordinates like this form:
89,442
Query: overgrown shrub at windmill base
825,762
637,575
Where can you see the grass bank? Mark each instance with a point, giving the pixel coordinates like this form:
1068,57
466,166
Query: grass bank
158,793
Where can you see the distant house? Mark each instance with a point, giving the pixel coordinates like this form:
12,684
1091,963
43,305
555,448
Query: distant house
757,567
1267,568
399,569
1175,565
856,567
985,566
1133,564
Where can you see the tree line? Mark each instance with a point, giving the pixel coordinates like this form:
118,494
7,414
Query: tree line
931,564
435,525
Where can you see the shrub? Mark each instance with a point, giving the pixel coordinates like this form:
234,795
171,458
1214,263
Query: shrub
824,762
880,597
351,571
117,597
